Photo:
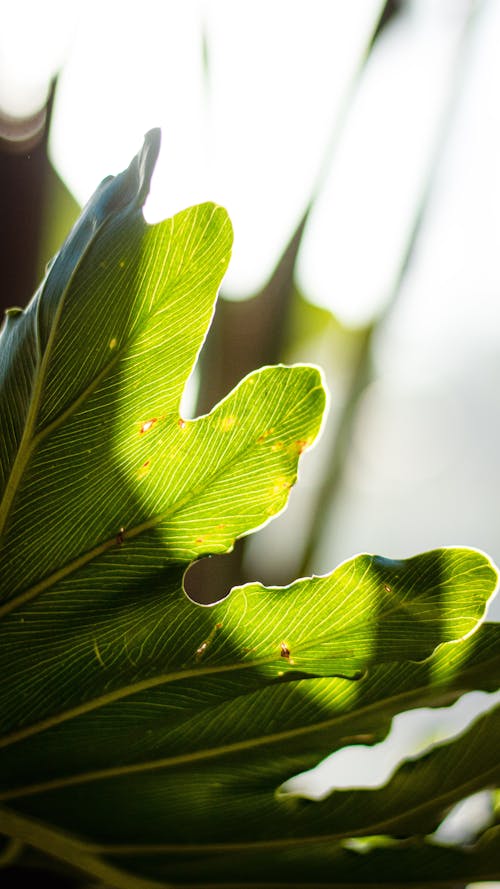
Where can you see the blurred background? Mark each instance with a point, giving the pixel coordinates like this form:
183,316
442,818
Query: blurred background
356,147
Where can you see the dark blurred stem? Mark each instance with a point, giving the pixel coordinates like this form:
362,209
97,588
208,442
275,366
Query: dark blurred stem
362,365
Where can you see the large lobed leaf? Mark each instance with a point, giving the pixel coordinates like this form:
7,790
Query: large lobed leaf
139,729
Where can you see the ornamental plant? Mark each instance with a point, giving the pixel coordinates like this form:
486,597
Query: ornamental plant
145,739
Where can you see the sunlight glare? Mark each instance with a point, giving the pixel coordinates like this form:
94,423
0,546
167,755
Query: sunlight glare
251,135
358,228
127,74
34,40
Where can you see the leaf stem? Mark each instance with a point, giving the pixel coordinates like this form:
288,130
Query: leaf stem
74,852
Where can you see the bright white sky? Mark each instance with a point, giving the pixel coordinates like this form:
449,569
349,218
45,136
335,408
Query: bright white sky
254,135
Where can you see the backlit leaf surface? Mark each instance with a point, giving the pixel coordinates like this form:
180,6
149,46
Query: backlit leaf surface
137,728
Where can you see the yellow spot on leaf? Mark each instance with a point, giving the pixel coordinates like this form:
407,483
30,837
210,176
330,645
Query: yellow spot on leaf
144,469
113,343
264,435
227,423
277,446
302,444
280,485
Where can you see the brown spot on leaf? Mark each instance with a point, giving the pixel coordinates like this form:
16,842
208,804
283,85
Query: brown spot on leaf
144,469
265,435
285,651
301,445
201,650
281,484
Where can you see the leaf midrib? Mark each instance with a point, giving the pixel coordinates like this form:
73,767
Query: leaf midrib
26,445
437,802
29,439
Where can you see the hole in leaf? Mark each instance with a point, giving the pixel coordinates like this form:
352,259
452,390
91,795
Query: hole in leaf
145,427
413,733
467,820
211,579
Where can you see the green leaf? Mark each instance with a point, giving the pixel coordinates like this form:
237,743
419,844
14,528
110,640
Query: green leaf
273,835
368,611
128,714
205,716
401,865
